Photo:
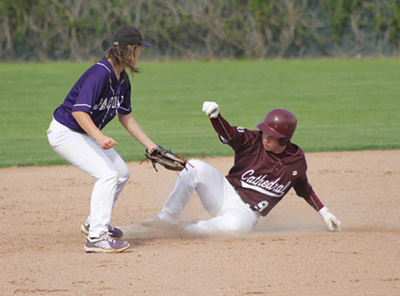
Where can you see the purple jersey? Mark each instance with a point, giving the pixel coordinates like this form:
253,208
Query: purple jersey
263,178
99,93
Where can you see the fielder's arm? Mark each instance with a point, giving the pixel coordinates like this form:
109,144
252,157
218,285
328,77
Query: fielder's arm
133,127
87,124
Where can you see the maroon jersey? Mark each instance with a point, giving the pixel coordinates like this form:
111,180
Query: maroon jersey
260,177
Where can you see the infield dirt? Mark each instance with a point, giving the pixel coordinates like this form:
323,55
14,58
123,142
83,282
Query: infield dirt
291,252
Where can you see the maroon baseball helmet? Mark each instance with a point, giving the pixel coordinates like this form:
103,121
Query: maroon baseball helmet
279,123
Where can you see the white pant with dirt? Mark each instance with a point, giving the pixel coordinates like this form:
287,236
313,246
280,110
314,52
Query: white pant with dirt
106,166
230,214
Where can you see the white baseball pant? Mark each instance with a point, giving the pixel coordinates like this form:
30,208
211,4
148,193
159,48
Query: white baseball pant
230,214
106,166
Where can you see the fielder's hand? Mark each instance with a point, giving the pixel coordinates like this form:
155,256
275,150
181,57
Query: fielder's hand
330,220
211,109
168,159
106,142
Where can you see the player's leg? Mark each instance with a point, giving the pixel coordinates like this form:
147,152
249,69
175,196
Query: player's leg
235,218
203,178
122,169
82,151
124,174
218,197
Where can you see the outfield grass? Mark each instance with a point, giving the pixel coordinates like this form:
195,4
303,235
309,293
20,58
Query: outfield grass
340,104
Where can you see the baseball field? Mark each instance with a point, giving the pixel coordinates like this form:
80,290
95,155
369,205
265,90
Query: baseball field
349,128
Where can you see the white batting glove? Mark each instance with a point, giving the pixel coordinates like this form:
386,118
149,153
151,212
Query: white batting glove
330,220
211,109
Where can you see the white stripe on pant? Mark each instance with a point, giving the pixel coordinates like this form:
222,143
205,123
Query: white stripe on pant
106,166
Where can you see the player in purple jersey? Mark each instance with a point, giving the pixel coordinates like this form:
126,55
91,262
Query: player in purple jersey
75,134
266,166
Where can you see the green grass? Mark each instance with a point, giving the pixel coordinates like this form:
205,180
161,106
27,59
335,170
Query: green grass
340,104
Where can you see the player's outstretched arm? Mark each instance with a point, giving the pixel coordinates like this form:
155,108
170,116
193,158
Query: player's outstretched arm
305,190
330,220
133,127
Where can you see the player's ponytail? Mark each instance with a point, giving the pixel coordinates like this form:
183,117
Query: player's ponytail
124,56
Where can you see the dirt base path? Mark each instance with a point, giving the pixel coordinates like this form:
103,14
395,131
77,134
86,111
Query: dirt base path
289,253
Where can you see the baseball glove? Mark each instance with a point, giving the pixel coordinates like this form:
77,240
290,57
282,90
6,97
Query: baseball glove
168,159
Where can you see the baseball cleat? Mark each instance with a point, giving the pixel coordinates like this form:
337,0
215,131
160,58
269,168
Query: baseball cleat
157,222
105,244
114,232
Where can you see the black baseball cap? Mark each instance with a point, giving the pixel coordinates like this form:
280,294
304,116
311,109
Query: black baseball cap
128,35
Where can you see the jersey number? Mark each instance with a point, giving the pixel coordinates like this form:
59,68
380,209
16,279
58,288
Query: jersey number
262,205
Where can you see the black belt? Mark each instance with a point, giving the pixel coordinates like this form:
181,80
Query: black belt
253,208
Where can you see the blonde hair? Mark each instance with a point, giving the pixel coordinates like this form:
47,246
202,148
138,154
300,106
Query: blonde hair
124,56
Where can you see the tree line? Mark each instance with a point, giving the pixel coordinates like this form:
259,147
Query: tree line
76,30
